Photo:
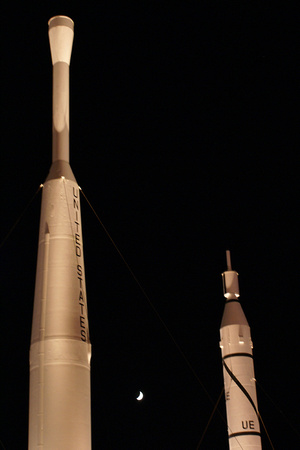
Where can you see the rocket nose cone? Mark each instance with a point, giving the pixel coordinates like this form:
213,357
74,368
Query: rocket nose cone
61,33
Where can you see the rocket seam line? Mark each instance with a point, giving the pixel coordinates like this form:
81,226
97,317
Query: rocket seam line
244,433
58,362
231,355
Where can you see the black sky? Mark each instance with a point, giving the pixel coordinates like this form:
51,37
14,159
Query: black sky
183,137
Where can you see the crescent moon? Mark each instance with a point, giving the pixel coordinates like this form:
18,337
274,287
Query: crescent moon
140,396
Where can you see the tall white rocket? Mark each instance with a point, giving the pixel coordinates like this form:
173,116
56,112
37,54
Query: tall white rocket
60,351
238,369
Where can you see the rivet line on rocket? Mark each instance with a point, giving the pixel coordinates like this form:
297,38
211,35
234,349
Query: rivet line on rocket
42,342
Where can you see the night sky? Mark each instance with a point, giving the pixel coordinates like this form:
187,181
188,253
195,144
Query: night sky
183,137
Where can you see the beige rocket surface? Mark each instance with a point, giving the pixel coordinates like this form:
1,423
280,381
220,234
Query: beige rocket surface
60,352
238,369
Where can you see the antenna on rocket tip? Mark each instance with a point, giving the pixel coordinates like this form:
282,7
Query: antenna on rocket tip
228,260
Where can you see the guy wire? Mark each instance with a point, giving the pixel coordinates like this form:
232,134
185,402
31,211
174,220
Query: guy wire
152,306
20,216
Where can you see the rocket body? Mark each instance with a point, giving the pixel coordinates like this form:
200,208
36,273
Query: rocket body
238,370
60,351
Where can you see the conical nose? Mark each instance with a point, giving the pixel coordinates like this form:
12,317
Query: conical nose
61,34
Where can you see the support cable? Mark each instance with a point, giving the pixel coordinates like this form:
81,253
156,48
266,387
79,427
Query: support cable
152,305
279,410
210,419
20,216
246,393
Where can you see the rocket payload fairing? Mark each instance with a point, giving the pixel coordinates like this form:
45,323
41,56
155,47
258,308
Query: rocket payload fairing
238,369
60,351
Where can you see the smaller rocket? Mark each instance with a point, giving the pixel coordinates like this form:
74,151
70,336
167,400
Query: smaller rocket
238,369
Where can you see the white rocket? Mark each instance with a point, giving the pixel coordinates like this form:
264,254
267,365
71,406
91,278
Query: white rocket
238,369
60,351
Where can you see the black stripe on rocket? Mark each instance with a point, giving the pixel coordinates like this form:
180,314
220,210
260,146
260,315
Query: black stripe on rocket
245,392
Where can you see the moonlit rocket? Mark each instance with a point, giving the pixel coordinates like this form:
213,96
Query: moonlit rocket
60,351
238,369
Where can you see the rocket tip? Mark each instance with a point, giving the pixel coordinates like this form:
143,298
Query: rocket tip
230,280
228,260
61,33
61,21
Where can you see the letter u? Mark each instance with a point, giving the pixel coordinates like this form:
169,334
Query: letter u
245,425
